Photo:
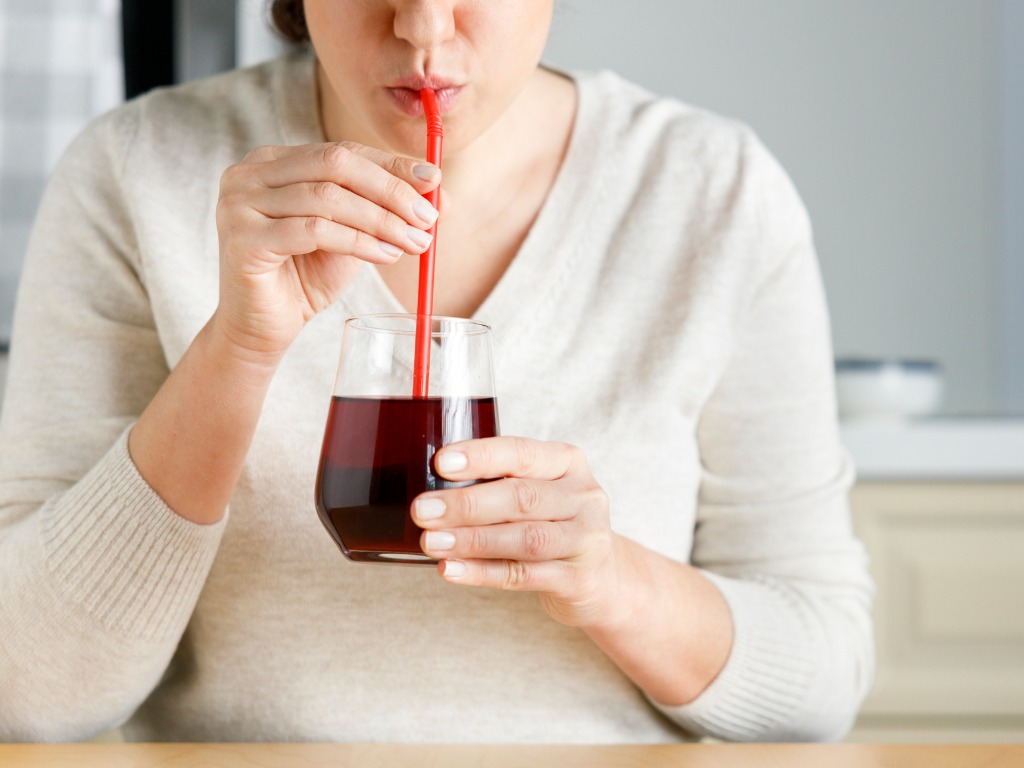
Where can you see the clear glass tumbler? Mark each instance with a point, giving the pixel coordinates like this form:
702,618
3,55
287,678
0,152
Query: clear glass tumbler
380,441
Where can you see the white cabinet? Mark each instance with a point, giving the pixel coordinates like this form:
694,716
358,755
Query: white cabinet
948,560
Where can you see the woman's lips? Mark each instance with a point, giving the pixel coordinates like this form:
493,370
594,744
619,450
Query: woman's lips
408,99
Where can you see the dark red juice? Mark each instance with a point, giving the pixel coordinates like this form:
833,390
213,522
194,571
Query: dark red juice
377,457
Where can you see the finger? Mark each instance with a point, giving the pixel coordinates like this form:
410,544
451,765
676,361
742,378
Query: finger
510,575
493,457
330,201
506,500
307,234
391,181
527,542
419,173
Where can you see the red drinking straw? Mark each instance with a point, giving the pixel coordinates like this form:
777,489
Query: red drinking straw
425,296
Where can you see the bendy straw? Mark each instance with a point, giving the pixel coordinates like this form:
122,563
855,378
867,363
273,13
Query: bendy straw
425,295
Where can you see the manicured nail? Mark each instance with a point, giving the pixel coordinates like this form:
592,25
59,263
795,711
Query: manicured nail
426,172
438,541
453,569
429,509
391,250
425,210
450,461
419,237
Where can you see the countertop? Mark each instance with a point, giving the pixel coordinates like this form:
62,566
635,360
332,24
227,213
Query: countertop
981,449
416,756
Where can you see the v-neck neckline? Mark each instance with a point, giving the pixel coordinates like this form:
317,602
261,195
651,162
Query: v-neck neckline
547,249
515,291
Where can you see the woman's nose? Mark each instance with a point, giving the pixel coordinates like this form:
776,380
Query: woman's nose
425,24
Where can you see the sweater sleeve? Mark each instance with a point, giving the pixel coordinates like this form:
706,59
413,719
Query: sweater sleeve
98,577
773,526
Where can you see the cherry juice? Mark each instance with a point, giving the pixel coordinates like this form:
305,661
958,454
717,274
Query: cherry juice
377,457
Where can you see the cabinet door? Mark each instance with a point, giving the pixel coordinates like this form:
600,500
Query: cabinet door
948,559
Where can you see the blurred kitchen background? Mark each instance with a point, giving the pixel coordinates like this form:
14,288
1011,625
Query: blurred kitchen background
902,124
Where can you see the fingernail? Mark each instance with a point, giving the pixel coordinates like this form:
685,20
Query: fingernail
419,237
438,541
424,210
429,509
453,569
391,250
450,461
426,172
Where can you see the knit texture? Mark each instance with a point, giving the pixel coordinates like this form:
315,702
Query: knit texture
665,314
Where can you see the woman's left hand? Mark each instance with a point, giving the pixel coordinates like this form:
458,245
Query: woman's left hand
542,527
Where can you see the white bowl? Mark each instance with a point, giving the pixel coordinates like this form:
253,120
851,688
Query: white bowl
888,389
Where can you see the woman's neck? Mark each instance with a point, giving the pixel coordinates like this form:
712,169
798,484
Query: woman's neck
492,193
530,131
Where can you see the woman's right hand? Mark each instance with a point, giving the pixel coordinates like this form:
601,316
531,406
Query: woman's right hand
293,225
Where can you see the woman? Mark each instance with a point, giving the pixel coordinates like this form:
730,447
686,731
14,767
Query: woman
675,497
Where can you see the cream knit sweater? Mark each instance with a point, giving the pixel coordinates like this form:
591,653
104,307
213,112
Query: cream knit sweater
665,314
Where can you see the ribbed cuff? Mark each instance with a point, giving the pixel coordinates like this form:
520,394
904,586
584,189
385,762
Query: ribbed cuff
123,554
765,683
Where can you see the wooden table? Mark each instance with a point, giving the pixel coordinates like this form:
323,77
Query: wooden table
414,756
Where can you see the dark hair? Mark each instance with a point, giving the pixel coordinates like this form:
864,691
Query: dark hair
289,19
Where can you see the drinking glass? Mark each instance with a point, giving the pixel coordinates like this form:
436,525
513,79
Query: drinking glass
380,441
